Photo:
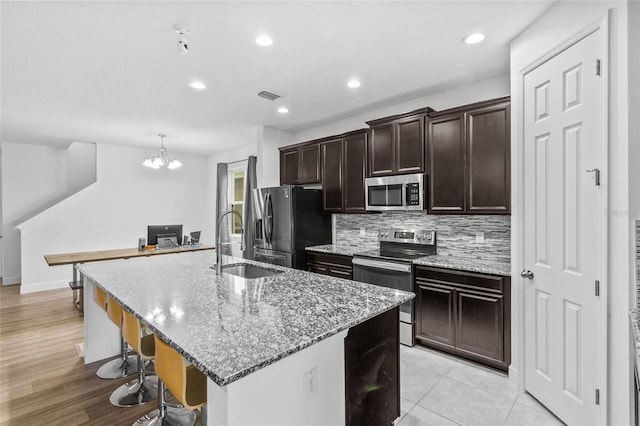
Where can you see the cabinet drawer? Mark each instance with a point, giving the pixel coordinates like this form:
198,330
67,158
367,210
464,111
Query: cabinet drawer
335,265
470,280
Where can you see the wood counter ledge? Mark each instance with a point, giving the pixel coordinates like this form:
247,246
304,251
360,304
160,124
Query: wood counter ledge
99,255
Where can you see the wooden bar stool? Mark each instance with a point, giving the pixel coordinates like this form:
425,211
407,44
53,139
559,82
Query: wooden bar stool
144,388
125,366
185,382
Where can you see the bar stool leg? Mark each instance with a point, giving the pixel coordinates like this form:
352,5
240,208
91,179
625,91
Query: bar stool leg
124,366
166,414
137,392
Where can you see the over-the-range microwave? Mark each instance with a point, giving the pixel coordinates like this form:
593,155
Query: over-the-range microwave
388,193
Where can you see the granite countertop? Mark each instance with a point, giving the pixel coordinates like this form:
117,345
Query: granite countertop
634,317
438,260
230,327
465,264
342,249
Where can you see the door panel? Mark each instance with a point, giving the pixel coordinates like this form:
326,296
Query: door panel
355,171
447,158
410,145
332,183
563,135
479,325
381,152
435,318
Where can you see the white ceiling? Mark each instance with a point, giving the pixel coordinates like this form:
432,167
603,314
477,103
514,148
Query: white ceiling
110,72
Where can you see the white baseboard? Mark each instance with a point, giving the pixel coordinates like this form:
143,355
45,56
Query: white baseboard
10,280
50,285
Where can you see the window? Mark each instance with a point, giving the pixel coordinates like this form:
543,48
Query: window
236,196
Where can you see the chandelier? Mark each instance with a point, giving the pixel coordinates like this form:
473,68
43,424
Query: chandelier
162,159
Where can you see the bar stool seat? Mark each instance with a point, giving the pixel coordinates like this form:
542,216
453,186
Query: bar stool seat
145,388
185,382
125,366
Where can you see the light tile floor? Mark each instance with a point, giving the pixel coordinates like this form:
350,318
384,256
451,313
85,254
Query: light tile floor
438,389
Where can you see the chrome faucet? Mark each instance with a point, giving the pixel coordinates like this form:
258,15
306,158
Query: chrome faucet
219,243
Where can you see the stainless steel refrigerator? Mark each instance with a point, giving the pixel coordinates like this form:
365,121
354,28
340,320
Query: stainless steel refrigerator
288,219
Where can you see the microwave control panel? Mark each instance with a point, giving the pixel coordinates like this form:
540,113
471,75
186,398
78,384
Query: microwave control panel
413,194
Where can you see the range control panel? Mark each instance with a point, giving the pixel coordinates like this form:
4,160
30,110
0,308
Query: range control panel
411,236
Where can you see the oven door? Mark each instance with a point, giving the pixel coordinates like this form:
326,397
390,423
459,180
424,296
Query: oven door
392,275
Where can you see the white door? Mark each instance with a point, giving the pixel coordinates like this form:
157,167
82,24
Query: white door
563,119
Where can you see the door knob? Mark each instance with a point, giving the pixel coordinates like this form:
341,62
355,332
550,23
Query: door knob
526,274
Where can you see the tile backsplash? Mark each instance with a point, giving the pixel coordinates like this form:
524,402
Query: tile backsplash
455,235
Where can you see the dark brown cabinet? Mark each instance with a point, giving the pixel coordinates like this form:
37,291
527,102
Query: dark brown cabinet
334,265
468,151
464,313
372,371
300,164
343,171
396,144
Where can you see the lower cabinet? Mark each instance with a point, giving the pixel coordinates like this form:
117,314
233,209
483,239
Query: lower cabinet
335,265
372,371
465,313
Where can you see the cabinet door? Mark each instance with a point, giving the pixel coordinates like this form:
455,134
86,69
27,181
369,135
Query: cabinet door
489,159
289,163
355,171
381,152
310,164
480,324
409,145
446,155
372,371
435,313
332,181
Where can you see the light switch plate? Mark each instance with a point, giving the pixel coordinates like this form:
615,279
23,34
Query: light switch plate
479,237
362,232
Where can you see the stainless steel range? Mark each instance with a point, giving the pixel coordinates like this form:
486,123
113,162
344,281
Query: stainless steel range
391,266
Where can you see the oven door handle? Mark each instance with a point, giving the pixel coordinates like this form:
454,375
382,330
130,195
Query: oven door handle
382,265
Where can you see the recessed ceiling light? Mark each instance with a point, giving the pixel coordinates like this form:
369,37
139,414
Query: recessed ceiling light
353,83
198,85
283,110
473,38
264,40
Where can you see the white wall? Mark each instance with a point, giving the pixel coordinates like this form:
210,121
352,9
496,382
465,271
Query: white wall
558,24
32,175
462,95
114,212
268,168
81,166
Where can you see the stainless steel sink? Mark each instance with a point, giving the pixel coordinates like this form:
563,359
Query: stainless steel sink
248,271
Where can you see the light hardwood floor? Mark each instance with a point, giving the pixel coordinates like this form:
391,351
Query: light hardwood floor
42,379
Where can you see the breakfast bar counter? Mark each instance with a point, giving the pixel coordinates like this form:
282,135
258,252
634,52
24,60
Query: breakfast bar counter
261,342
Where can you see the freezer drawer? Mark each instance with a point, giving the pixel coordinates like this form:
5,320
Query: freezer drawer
273,257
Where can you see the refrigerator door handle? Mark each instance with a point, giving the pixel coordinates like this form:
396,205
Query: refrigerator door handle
268,216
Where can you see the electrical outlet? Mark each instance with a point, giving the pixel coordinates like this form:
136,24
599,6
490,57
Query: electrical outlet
362,232
311,380
479,237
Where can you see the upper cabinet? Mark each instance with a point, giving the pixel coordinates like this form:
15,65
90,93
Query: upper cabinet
469,159
344,171
396,144
300,164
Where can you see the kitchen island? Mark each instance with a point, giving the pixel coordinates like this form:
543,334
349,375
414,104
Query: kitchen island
276,350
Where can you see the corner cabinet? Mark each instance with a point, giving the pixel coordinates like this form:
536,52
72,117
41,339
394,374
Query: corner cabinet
335,265
300,164
344,171
465,313
469,159
396,144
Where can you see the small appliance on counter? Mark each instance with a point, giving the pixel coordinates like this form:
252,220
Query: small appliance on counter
391,266
289,219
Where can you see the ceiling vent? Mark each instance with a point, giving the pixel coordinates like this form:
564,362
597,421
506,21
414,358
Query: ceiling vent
268,95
